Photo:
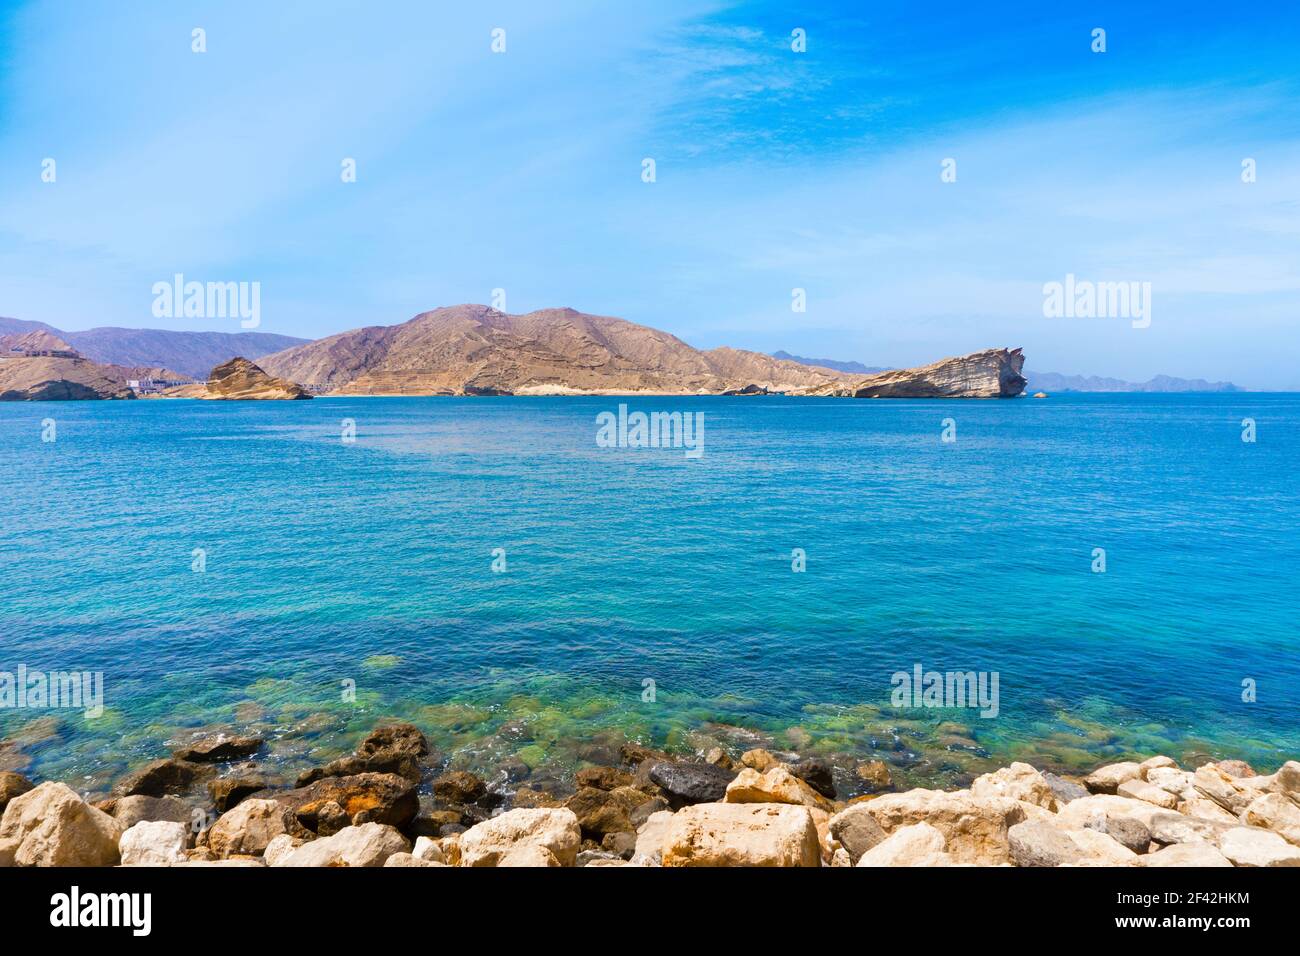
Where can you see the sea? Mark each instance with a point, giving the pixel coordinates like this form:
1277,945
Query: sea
1120,568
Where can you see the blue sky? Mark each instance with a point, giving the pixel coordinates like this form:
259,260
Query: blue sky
775,170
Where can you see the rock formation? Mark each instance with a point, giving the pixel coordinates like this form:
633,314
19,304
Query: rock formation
240,379
993,373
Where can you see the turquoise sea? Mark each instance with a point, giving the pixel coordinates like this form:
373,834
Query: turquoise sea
329,562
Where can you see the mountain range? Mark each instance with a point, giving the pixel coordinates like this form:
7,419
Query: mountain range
473,349
192,354
1051,381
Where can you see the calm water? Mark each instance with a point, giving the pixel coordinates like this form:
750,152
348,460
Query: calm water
371,562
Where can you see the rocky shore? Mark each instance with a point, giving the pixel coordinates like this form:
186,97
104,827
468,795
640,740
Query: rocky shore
212,804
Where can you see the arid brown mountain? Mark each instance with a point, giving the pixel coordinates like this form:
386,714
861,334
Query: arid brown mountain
44,378
475,350
993,373
192,354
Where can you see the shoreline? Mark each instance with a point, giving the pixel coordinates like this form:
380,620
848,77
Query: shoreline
392,802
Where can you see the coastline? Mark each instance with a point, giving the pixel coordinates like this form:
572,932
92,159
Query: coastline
394,802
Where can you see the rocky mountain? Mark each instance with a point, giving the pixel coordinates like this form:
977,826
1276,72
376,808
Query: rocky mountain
43,378
853,368
993,373
192,354
476,350
1054,382
241,380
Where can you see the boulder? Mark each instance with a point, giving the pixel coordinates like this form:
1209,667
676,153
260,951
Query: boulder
1235,768
875,774
369,844
778,785
459,786
12,785
917,845
1141,790
1155,763
1064,790
602,778
557,830
227,792
856,830
599,812
1273,811
1108,778
687,783
1215,785
219,749
1169,828
742,834
392,749
1019,781
409,859
154,843
974,828
1185,854
1100,849
817,773
529,854
1039,843
1077,813
427,849
650,837
1203,809
279,848
759,759
162,777
132,810
247,829
51,825
1129,832
375,797
1251,846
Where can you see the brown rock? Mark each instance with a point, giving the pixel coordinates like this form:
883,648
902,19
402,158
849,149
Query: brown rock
459,786
163,777
12,785
385,797
219,749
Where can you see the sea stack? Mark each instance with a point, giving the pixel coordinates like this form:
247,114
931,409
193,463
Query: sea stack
239,379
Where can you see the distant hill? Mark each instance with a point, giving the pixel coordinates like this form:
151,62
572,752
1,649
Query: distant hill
853,368
1052,381
475,350
193,354
1055,382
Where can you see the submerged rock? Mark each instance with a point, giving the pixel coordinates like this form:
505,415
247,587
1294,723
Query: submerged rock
219,749
162,777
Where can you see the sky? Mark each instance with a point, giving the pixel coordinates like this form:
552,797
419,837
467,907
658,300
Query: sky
775,170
